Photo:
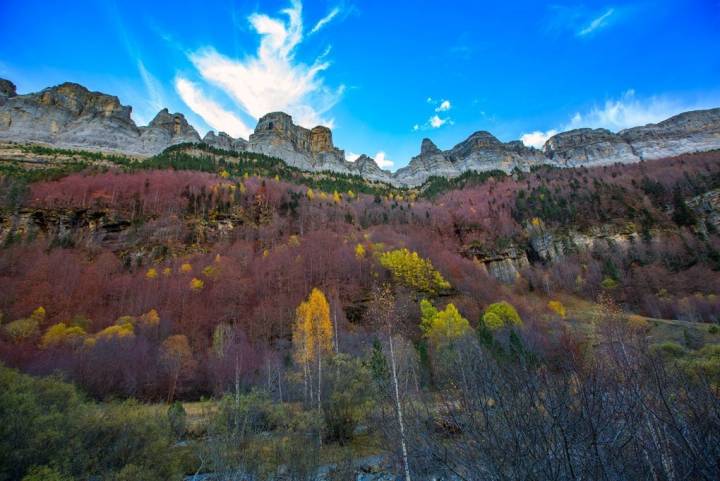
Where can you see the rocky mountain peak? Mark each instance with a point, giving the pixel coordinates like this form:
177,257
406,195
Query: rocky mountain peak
79,101
482,138
175,124
7,88
224,141
70,115
428,147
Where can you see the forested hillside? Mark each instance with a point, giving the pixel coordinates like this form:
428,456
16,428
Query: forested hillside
553,324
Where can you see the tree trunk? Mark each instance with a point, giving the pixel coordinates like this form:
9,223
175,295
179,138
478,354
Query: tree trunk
399,412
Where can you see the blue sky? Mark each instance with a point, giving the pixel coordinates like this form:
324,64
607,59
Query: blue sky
383,74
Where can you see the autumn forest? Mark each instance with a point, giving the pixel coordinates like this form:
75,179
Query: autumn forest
208,315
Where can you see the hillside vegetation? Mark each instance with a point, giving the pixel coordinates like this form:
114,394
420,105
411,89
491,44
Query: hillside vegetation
553,324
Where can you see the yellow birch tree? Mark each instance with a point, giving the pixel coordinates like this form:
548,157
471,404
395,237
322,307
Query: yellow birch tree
313,336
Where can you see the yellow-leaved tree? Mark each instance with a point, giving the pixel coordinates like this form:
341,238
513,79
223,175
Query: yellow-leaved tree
312,338
61,333
26,328
501,314
177,358
442,327
413,271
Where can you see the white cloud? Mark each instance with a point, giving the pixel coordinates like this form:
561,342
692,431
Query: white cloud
443,107
273,79
537,138
437,122
153,87
585,22
380,159
625,112
382,162
632,111
212,113
325,20
596,23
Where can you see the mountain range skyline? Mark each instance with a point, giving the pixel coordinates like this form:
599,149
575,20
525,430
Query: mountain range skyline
240,61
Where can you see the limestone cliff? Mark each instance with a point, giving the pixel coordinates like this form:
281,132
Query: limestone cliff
694,131
276,135
69,115
481,152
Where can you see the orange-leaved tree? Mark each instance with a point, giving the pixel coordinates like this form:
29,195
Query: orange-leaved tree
177,358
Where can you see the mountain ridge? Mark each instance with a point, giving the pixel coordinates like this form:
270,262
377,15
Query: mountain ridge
70,115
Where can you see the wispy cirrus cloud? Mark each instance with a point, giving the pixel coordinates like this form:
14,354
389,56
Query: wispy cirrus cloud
325,20
628,110
210,111
583,22
272,79
597,23
156,97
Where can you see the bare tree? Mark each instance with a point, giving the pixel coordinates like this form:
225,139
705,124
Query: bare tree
383,311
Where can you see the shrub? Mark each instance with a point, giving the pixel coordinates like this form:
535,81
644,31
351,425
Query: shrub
349,398
45,473
177,417
22,329
558,308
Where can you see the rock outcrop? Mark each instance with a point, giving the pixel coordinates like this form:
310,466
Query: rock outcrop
481,152
685,133
7,90
588,147
308,149
225,142
276,135
69,115
694,131
366,167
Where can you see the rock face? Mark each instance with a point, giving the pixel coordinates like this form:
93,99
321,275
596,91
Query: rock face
308,149
366,167
7,90
685,133
225,142
688,132
69,115
276,135
481,152
588,147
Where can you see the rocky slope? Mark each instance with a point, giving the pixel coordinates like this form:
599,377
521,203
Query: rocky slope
69,115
